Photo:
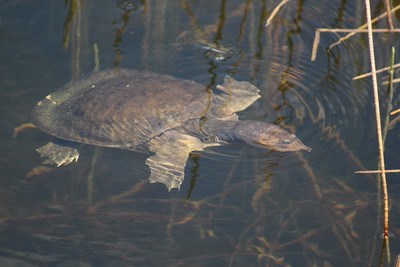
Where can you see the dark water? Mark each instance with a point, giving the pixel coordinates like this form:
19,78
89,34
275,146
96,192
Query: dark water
238,206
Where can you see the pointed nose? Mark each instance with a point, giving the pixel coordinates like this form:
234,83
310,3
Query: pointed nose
301,146
306,148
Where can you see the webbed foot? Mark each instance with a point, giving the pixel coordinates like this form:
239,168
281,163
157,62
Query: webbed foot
58,154
171,150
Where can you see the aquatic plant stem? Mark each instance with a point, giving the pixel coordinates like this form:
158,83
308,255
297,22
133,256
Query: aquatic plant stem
390,97
378,123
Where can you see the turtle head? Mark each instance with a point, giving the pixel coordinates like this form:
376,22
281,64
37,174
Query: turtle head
269,136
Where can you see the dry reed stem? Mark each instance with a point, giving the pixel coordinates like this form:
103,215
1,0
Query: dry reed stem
363,27
352,31
394,121
395,112
378,121
377,171
378,71
356,30
275,11
390,20
391,82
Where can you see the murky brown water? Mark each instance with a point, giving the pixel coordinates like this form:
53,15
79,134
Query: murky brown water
238,206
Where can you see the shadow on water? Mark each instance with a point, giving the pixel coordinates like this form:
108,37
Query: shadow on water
238,206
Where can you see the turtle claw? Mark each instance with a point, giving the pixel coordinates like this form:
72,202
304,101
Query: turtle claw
58,154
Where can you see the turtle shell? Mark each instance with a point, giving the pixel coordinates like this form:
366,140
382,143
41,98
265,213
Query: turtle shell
120,108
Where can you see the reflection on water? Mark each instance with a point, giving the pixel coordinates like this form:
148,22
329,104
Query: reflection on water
238,206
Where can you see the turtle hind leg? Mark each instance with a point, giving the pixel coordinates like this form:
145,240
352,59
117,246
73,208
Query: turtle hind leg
58,154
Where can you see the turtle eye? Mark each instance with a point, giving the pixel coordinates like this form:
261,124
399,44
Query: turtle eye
285,141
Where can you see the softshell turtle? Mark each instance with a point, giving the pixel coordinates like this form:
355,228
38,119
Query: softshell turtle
144,111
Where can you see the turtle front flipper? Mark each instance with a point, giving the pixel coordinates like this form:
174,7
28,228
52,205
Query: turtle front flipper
58,154
171,150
